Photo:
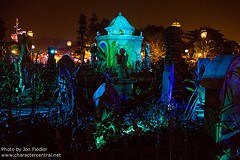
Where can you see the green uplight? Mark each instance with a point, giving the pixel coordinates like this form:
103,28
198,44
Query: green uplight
143,127
100,142
129,130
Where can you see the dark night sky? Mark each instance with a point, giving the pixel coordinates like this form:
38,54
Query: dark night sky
58,19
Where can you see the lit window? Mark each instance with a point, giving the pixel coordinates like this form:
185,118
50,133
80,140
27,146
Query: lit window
121,31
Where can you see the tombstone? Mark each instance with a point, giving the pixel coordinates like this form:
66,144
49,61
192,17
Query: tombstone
64,64
222,98
122,60
65,82
147,56
167,82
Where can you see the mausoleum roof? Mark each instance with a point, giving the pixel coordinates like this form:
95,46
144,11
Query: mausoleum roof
120,22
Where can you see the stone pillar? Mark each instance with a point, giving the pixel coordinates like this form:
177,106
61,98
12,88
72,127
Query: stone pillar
167,81
122,60
147,56
172,38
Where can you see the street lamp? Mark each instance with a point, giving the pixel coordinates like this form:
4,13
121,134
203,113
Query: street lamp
203,36
199,55
32,54
33,46
186,51
69,43
14,51
30,33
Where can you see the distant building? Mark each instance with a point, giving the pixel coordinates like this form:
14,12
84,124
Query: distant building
120,35
176,24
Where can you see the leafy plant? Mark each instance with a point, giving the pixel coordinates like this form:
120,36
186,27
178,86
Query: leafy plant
197,98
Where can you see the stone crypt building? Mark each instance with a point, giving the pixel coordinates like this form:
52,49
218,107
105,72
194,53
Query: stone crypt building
120,37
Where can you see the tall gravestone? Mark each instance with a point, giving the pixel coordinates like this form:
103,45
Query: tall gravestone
147,56
122,59
172,37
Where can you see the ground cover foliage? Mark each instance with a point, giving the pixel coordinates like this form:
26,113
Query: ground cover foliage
145,127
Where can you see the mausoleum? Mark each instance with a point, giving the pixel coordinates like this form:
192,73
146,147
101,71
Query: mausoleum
120,35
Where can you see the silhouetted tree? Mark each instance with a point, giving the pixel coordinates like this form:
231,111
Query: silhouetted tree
229,47
93,28
2,35
154,36
212,44
215,39
153,33
82,31
104,23
173,40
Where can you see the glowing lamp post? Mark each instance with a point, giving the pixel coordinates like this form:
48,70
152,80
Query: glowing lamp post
199,55
33,46
32,56
30,33
186,51
14,51
51,62
203,36
69,44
